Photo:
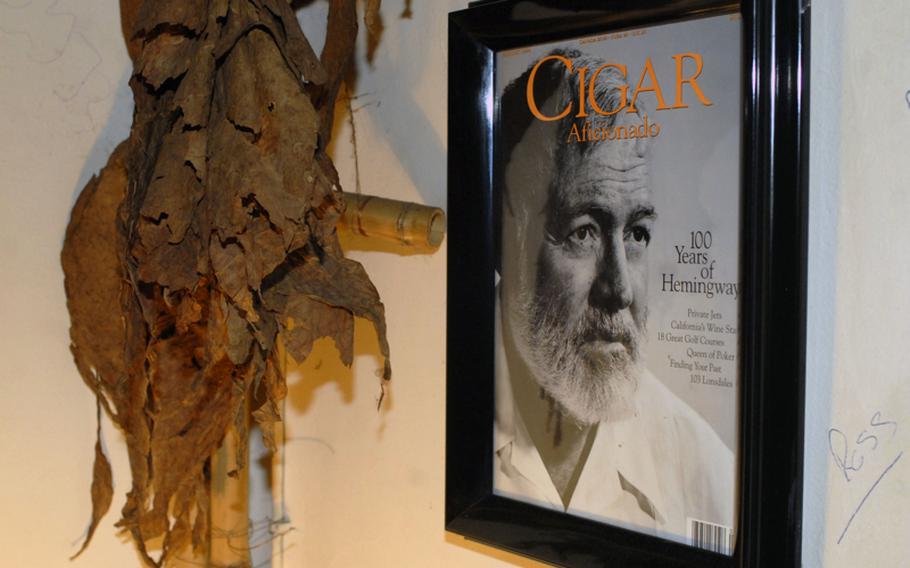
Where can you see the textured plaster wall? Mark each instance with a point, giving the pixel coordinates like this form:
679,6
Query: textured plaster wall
364,487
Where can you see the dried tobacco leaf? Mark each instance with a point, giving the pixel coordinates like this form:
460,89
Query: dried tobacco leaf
211,230
95,283
102,487
335,59
373,20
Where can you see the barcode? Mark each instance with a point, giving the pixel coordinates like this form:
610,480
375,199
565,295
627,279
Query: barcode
709,536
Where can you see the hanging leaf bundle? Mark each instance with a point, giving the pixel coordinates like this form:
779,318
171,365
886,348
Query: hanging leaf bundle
208,238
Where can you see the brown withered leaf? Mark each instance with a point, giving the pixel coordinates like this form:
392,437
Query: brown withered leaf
102,487
269,391
92,263
372,18
201,522
163,58
337,282
267,416
341,39
209,230
314,319
129,13
171,16
180,535
300,54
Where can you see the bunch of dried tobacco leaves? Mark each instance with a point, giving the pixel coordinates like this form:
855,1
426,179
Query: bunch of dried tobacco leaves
208,236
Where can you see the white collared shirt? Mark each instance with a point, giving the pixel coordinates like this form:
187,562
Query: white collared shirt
652,472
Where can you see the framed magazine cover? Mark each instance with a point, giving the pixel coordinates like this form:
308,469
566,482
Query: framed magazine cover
626,280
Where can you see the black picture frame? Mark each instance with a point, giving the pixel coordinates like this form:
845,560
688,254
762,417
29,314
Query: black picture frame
773,272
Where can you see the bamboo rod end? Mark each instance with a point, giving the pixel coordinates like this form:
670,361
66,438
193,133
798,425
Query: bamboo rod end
436,228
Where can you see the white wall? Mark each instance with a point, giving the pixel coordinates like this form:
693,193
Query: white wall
63,107
366,488
859,312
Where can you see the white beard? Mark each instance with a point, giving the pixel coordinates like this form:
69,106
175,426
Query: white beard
590,385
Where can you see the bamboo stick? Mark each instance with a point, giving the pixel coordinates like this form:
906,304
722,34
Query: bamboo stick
395,221
280,521
230,530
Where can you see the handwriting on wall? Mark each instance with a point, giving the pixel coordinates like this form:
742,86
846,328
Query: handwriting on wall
851,454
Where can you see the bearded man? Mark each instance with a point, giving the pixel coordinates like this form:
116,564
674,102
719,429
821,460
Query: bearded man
581,425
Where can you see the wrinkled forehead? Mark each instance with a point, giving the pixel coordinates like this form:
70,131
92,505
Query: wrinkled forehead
546,169
611,173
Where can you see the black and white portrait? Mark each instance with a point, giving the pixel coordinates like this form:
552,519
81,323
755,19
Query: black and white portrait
615,376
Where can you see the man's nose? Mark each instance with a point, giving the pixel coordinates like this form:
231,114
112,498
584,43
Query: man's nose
612,289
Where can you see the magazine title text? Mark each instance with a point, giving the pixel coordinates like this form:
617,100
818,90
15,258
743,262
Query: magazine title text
586,102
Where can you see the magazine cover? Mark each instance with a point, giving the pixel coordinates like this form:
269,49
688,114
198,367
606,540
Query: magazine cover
617,163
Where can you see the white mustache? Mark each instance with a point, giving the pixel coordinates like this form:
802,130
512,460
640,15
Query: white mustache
613,327
547,321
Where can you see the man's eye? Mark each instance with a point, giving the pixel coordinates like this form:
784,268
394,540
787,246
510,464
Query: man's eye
583,234
640,235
